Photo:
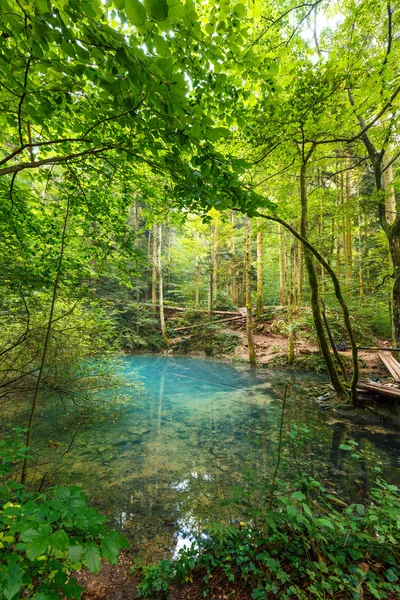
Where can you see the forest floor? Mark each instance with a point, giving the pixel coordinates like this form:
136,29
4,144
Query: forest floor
272,348
118,583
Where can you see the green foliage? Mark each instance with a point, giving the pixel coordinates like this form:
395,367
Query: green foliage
367,320
137,327
375,315
302,546
223,301
43,537
218,343
81,360
156,579
208,339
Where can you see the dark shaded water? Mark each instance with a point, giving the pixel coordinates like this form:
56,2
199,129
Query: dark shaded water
160,466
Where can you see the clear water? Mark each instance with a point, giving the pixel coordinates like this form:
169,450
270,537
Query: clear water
159,468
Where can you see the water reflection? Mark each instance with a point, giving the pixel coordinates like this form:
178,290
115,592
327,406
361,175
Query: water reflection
159,469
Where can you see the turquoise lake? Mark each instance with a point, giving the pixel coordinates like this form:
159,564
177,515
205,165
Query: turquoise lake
160,468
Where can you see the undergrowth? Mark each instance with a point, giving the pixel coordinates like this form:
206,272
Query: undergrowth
292,539
46,536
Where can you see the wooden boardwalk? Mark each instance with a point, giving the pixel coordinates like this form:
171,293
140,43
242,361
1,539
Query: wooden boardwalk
392,366
388,390
381,390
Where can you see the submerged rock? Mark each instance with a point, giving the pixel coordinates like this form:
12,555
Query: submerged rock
138,430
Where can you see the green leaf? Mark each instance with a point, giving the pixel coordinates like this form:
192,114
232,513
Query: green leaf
161,45
75,552
72,589
218,132
345,447
298,496
62,492
135,12
196,130
58,540
391,575
119,4
307,510
110,550
176,10
12,582
43,6
91,553
156,9
239,10
37,542
323,522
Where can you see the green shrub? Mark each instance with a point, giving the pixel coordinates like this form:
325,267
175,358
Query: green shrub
43,537
208,339
156,579
138,328
306,544
223,301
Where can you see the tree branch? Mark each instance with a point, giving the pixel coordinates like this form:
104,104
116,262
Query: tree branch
28,64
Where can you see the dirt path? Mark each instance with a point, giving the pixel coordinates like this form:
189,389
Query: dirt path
270,346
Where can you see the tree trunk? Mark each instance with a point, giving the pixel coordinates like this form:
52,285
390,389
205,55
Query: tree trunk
394,243
313,280
337,228
137,245
388,214
210,300
292,299
160,287
290,356
149,263
154,271
215,262
338,294
299,274
260,276
233,262
321,237
348,232
360,253
282,298
197,283
390,223
249,304
388,186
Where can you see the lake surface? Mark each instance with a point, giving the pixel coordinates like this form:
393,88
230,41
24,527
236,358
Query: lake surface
158,469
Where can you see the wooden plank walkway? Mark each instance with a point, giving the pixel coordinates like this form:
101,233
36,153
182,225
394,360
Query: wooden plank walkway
392,366
381,390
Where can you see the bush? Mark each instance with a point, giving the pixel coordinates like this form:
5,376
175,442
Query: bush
43,537
223,301
137,327
293,540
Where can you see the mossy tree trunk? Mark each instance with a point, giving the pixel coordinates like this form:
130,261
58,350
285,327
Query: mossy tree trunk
338,293
249,303
260,276
161,287
154,237
282,295
348,243
234,297
313,280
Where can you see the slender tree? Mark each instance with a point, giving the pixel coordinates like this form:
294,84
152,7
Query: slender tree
249,303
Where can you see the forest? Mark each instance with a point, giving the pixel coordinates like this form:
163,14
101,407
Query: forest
199,299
